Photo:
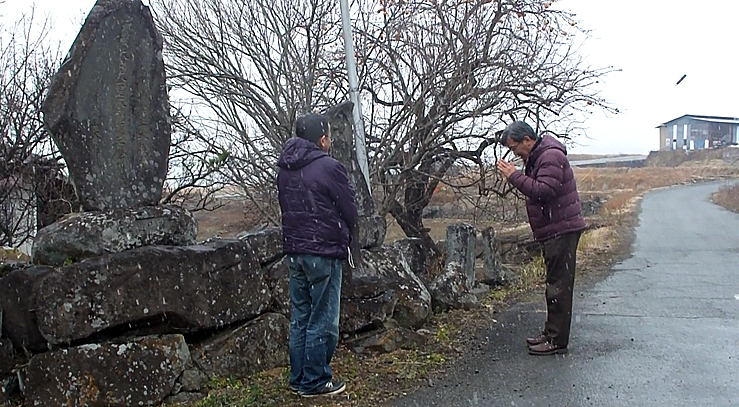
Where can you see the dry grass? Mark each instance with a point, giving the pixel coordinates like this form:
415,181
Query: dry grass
228,220
596,239
728,197
531,274
437,228
591,180
622,186
10,254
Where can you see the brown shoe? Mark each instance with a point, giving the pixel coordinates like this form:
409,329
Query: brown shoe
547,348
536,340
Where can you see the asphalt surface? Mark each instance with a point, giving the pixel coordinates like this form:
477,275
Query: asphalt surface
661,330
609,160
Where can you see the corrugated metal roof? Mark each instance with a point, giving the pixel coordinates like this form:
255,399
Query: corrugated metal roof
712,119
729,121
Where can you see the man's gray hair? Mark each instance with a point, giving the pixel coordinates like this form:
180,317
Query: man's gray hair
517,131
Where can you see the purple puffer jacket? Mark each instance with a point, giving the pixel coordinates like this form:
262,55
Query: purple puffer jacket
316,200
552,201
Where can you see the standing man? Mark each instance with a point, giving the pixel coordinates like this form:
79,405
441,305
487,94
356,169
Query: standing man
318,216
553,207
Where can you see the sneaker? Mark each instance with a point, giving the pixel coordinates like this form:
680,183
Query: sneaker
294,389
329,389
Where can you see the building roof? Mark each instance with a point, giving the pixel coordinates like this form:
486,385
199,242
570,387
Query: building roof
712,119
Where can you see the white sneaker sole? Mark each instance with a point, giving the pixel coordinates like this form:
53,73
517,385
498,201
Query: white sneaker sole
330,393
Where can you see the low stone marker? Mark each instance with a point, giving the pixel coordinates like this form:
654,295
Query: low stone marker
492,271
460,248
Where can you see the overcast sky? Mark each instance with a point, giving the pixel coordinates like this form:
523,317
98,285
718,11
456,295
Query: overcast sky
652,42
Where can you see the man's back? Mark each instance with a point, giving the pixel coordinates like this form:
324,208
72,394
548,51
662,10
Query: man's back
316,200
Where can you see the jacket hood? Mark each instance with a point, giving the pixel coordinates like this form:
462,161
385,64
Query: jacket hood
545,143
298,152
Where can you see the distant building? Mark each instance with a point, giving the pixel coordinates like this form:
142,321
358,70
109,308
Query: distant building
692,132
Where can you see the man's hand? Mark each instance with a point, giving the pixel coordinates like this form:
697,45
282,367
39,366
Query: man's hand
506,168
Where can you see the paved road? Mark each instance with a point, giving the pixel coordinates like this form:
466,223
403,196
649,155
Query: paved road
661,330
634,159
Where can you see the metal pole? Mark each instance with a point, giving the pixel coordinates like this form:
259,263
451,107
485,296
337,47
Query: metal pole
351,66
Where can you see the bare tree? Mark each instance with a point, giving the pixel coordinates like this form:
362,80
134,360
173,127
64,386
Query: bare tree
444,75
250,68
193,179
439,78
33,191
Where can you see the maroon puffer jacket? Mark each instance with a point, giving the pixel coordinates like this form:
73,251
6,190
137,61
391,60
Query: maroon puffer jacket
552,201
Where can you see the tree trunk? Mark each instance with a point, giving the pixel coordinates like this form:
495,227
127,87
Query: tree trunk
412,225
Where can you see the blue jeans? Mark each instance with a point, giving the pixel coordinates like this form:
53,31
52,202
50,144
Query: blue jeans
315,294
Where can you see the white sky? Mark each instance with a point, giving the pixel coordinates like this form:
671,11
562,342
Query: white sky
653,42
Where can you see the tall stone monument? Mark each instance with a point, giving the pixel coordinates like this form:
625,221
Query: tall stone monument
108,111
371,227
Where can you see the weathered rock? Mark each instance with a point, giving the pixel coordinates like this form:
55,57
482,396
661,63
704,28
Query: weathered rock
371,228
460,243
90,234
343,149
361,314
171,289
266,243
441,245
434,211
481,291
8,386
261,344
365,301
390,265
139,372
6,357
452,290
417,256
192,380
278,280
479,248
517,246
389,338
8,266
591,207
492,272
107,108
19,307
177,387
